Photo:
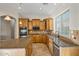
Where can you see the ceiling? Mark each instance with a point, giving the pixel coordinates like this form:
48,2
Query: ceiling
32,9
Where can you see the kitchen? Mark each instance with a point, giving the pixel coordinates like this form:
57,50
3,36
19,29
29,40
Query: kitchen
26,36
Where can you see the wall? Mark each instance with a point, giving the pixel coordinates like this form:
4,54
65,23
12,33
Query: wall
74,19
74,22
16,18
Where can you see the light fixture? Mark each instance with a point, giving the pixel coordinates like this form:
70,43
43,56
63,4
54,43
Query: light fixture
54,3
20,22
20,6
40,8
20,10
8,18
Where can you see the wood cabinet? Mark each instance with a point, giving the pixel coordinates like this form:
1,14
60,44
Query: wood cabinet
23,22
44,39
33,37
42,25
69,51
50,46
36,22
30,25
49,24
46,24
39,38
36,38
29,49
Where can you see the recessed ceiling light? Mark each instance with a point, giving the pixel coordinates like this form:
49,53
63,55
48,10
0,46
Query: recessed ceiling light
20,22
40,8
19,7
54,3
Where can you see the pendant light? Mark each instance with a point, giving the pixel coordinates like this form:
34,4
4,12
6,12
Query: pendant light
8,18
20,23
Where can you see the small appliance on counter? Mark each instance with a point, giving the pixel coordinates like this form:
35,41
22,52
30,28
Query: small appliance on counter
23,31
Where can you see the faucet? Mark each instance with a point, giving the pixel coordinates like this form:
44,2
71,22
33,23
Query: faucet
57,33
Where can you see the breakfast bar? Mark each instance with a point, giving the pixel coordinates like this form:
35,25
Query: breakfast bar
16,44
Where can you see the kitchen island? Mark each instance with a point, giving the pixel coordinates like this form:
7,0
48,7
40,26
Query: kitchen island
22,43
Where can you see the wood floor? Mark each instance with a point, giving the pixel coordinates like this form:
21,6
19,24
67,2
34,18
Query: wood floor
40,49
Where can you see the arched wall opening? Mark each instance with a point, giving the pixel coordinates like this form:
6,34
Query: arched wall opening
7,27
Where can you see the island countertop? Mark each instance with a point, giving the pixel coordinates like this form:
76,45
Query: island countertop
15,43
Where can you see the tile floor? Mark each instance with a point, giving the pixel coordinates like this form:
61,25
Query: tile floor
40,49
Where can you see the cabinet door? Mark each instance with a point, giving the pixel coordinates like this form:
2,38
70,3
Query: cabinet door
33,22
42,25
40,39
51,24
30,25
51,46
36,22
37,38
33,38
47,24
44,39
0,28
23,22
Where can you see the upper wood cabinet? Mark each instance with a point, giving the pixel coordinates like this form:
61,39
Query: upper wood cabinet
49,24
42,25
46,24
36,22
30,25
23,22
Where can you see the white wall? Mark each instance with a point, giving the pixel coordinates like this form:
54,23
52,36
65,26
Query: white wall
74,21
74,17
16,17
74,12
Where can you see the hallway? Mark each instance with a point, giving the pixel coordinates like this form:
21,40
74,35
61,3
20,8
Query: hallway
40,49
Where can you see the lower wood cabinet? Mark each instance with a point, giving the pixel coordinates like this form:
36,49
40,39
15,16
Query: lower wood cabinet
50,46
39,38
33,38
43,38
29,49
69,51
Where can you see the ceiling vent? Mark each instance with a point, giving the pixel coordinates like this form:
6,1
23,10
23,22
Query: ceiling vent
45,3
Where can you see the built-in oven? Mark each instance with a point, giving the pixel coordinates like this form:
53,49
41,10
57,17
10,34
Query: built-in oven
23,31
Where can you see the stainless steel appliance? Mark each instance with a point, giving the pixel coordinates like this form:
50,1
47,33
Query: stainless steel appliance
23,31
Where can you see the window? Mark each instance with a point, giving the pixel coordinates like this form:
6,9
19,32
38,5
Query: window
62,24
58,24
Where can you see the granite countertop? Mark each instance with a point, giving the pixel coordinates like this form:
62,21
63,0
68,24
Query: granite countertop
15,43
61,42
38,32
